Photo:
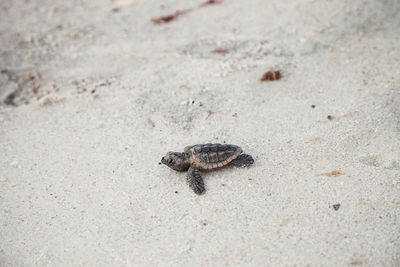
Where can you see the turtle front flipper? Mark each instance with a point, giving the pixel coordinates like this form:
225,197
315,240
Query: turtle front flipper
195,180
243,160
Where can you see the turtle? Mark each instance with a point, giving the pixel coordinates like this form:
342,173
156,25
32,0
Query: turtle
205,157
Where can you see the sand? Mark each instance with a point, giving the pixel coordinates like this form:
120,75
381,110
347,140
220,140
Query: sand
94,94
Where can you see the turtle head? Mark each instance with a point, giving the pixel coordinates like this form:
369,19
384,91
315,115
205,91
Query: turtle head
177,161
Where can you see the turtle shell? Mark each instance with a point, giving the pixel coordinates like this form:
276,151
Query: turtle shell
211,156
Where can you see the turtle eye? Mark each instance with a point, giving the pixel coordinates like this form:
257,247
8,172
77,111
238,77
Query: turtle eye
170,161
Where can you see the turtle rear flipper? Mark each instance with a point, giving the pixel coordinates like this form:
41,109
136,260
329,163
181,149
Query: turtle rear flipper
195,180
243,160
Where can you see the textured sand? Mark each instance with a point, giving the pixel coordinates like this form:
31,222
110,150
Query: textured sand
93,94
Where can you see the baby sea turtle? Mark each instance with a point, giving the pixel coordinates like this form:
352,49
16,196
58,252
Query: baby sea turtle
206,157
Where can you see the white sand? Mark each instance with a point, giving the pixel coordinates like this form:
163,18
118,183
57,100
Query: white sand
80,182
